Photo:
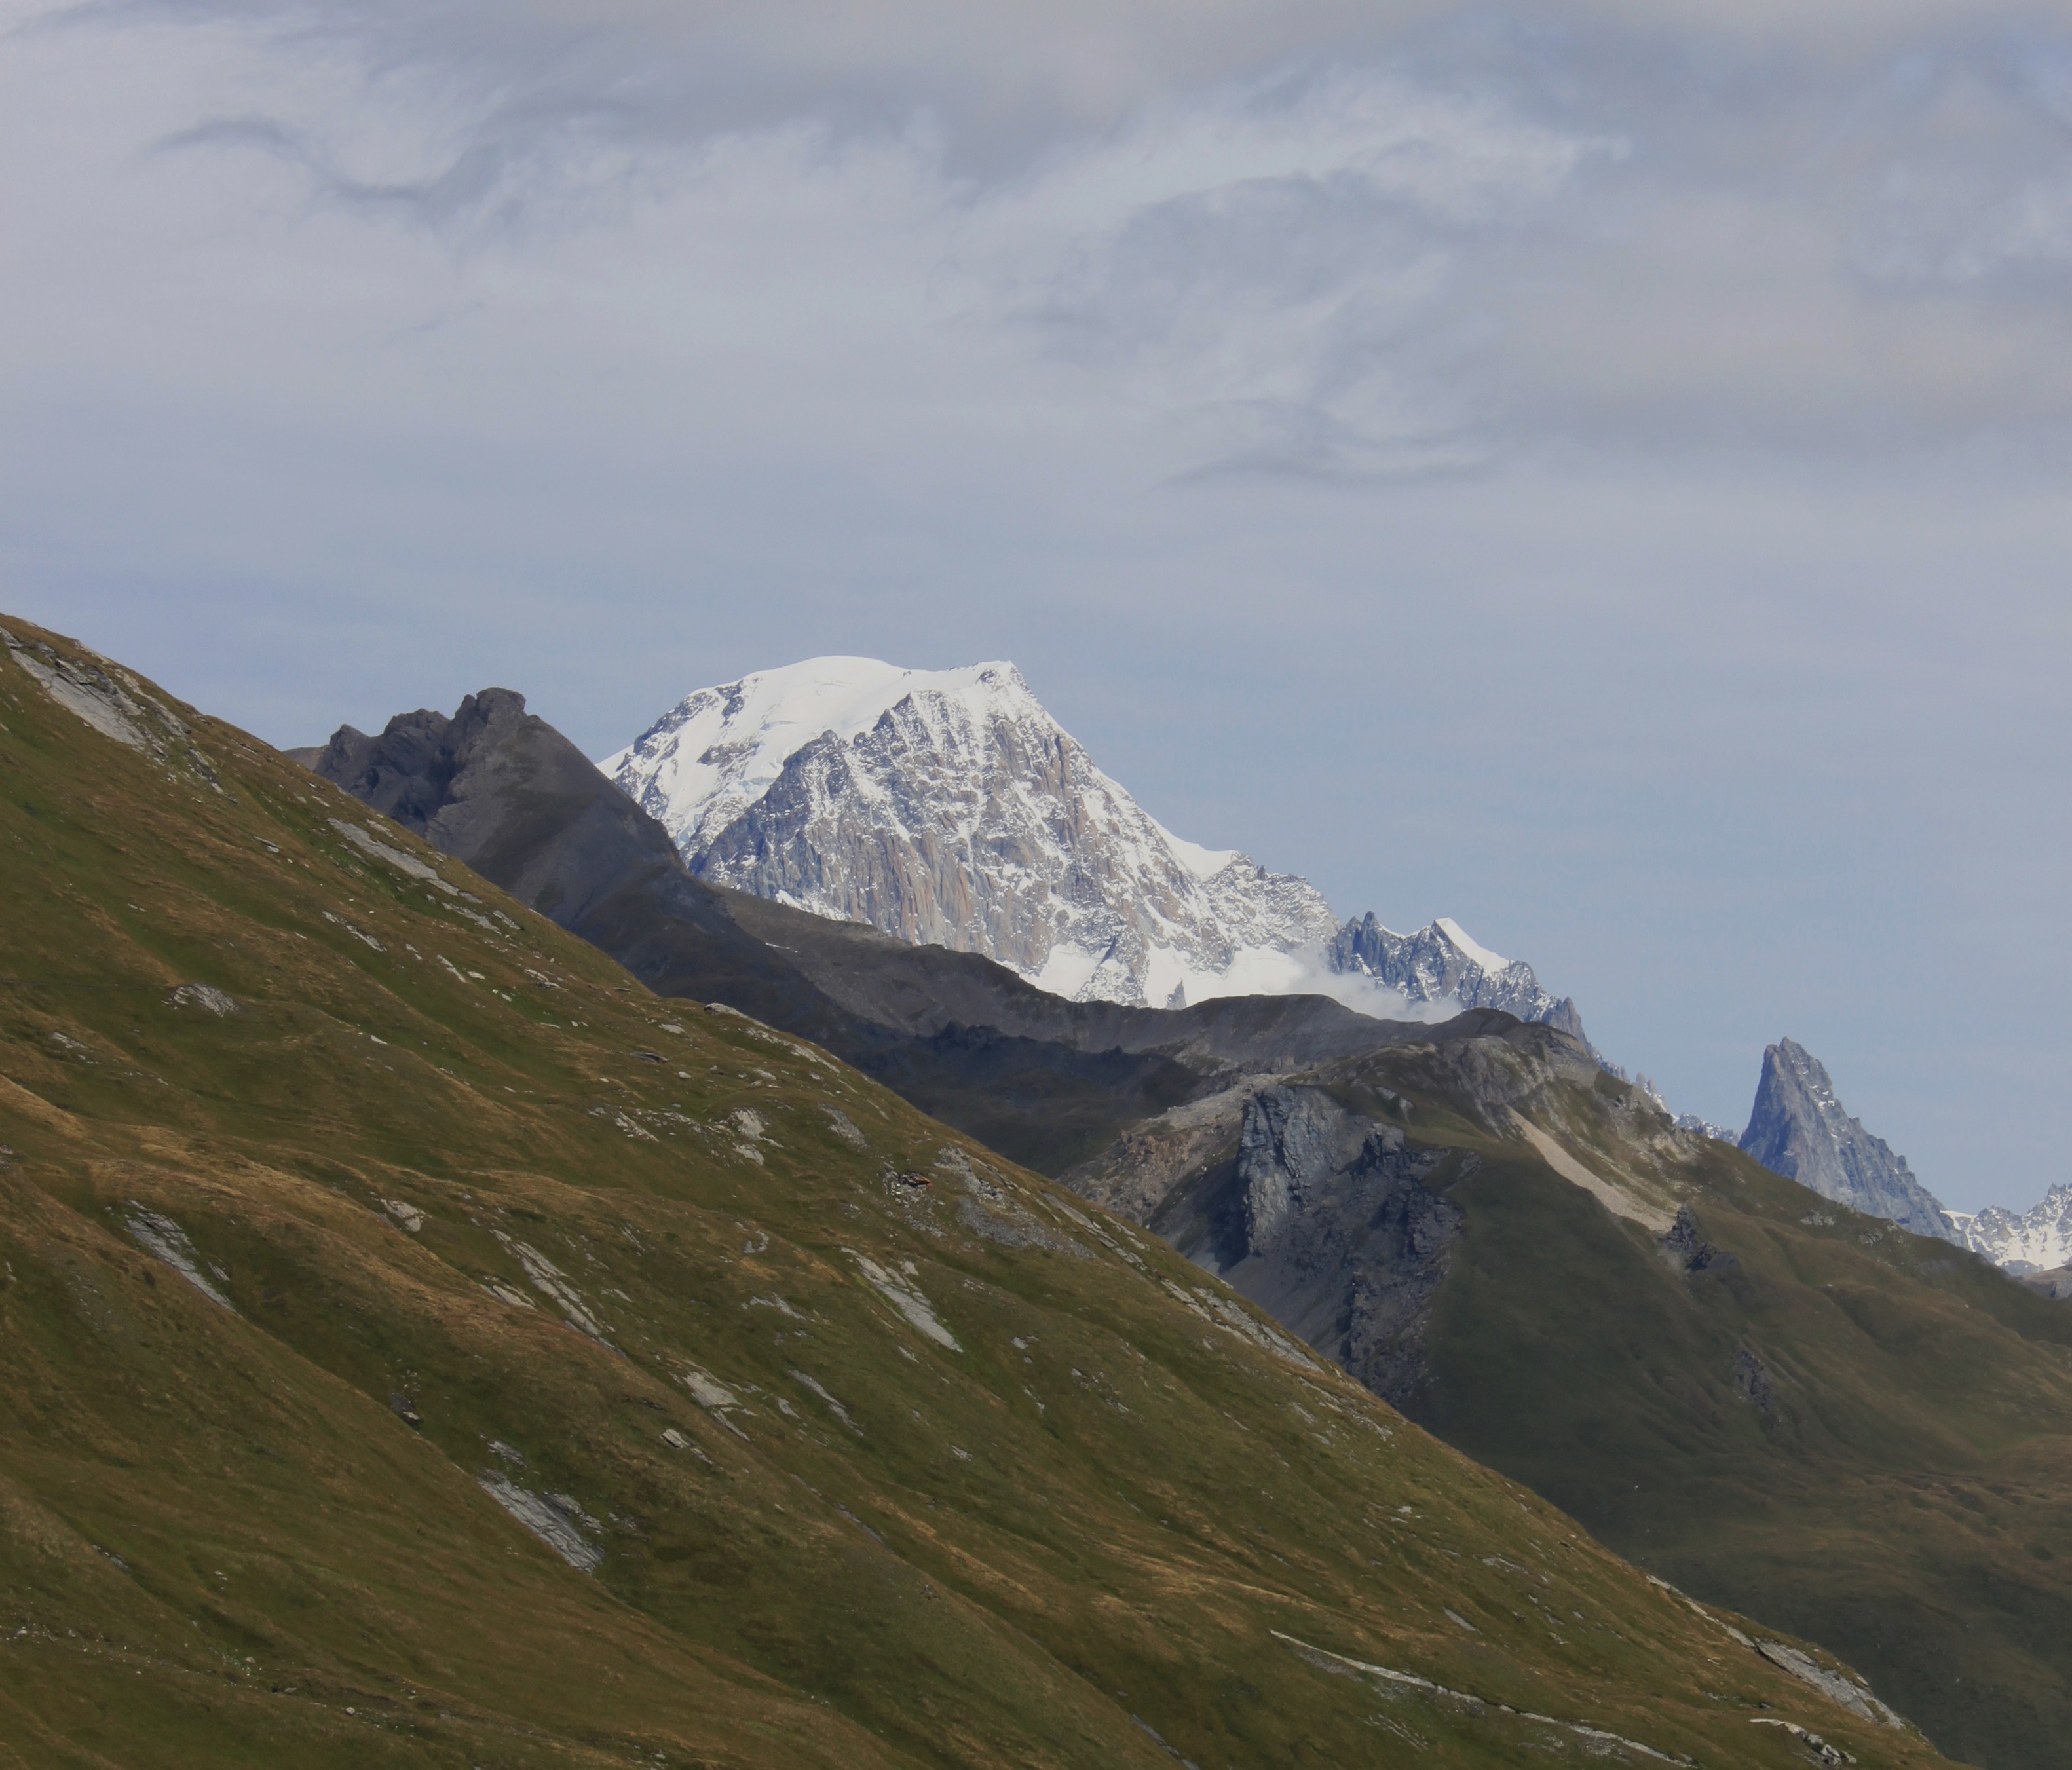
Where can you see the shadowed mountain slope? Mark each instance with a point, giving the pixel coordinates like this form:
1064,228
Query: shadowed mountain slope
1039,1078
421,1346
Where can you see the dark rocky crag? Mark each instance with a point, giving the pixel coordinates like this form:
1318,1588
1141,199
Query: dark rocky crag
1323,1218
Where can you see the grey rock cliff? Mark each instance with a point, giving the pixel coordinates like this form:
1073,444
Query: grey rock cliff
1799,1128
1331,1219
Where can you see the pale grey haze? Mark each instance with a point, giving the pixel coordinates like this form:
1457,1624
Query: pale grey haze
1595,469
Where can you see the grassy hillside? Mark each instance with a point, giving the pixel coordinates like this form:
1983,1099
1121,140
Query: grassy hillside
1857,1434
1900,1486
421,1345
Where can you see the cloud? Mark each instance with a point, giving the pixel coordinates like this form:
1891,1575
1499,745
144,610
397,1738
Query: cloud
1327,242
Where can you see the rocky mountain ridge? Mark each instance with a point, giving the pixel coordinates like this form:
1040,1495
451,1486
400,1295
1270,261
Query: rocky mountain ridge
1043,1080
1706,1360
1440,963
2036,1240
949,807
1799,1128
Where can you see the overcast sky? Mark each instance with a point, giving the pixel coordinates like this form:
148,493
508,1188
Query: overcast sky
1597,469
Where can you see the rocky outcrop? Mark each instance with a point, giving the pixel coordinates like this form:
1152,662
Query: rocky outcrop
1685,1247
1322,1216
1800,1130
1752,1383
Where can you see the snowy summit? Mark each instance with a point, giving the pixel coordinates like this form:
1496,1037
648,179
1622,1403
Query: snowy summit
948,807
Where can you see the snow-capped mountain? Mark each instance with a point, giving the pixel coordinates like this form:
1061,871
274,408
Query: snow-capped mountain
1800,1129
2037,1240
1440,963
947,806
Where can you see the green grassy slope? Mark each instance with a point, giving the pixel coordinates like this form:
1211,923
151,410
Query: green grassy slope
1900,1486
884,1453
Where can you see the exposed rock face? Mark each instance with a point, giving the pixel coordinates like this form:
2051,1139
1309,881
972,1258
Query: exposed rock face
1285,1145
948,808
1798,1129
1439,963
1685,1248
1324,1219
1752,1383
2037,1240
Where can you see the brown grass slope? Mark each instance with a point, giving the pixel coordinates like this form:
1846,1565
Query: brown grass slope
878,1451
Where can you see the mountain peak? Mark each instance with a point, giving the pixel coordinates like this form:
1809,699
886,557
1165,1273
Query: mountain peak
2036,1240
1440,963
719,750
948,808
1799,1128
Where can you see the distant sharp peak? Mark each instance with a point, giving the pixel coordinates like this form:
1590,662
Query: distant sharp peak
1788,1055
1799,1128
2037,1240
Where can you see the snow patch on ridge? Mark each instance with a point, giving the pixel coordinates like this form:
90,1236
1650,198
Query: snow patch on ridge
1203,863
1489,962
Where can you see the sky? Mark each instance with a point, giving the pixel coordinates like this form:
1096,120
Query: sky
1599,471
